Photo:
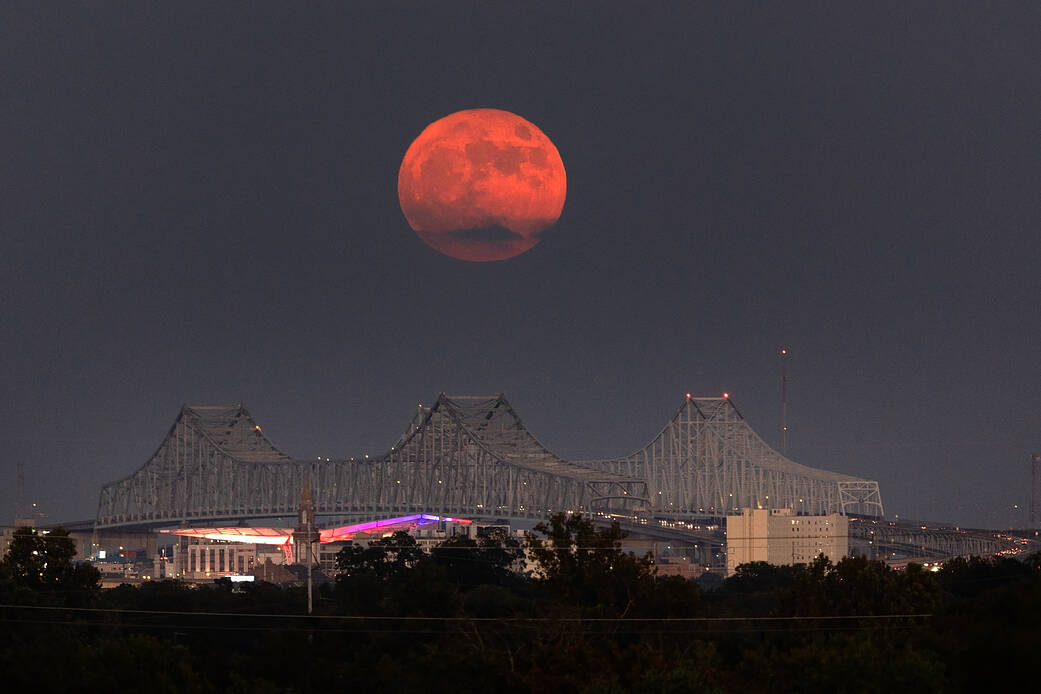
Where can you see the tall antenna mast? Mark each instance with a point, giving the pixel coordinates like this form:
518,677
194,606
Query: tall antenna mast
1035,463
784,400
19,501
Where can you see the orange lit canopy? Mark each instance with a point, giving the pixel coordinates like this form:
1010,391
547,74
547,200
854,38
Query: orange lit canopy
284,536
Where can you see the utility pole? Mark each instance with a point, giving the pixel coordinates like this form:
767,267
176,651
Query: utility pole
309,554
306,534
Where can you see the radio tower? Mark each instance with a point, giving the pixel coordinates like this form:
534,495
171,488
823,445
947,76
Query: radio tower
19,500
1035,463
784,400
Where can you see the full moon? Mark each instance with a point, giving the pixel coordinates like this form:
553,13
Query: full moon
481,184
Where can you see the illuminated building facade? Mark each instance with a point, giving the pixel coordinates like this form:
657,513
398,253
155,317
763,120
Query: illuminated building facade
202,558
778,537
327,556
213,552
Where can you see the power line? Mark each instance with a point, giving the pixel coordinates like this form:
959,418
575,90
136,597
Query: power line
399,618
445,631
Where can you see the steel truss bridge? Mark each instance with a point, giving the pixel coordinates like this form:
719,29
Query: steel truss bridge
707,460
471,456
916,542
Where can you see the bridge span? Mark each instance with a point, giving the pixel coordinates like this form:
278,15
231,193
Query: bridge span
465,456
915,541
471,456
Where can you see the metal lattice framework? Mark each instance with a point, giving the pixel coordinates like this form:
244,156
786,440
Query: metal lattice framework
707,460
888,541
466,456
214,463
471,456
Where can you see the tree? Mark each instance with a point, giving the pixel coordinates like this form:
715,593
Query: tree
970,578
760,577
42,560
582,565
485,560
365,575
387,558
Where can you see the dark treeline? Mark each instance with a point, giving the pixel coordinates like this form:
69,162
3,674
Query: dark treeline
590,619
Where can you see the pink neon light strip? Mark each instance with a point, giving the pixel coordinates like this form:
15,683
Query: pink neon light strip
280,536
419,519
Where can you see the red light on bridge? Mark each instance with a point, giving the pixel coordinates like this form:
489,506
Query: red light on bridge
726,395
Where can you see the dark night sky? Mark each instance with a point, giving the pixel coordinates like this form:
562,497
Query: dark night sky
198,204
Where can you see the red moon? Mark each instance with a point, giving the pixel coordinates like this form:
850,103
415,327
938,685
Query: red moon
481,184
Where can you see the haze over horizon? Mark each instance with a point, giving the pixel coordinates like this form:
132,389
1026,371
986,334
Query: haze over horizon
198,205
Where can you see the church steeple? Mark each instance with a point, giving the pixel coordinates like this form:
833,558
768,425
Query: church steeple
305,515
305,536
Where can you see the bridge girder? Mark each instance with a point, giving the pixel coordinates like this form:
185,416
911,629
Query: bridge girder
471,456
707,460
464,456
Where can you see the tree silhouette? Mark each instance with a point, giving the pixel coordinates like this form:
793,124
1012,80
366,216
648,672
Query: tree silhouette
582,565
43,561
